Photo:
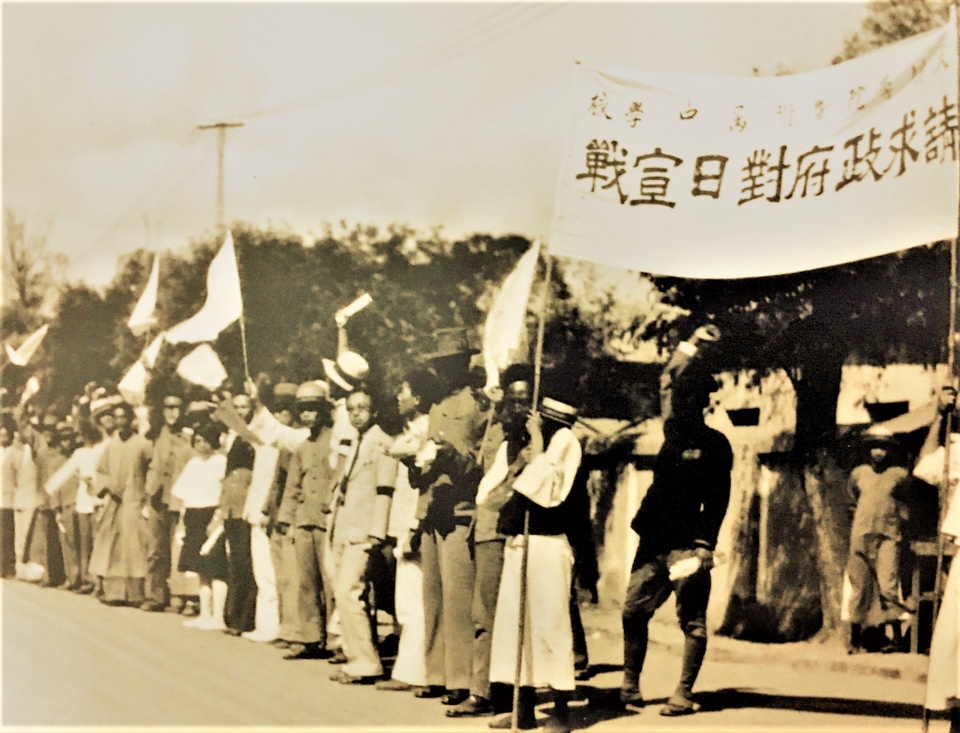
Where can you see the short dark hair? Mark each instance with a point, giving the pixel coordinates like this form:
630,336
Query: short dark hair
516,373
425,386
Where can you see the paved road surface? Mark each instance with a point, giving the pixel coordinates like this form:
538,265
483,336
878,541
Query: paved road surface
67,660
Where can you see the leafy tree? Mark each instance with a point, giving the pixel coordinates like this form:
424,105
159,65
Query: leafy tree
893,20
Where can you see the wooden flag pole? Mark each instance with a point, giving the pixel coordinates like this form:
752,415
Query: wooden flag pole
952,376
944,488
525,547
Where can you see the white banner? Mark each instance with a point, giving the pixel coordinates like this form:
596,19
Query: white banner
721,177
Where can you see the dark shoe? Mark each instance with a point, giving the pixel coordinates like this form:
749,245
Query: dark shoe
506,723
455,697
116,603
307,651
338,657
151,607
678,705
430,691
232,632
631,696
190,609
472,707
280,644
349,679
394,686
86,589
582,674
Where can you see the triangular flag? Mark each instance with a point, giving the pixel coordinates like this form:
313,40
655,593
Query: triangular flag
150,354
223,306
31,388
504,329
202,366
23,355
133,386
144,312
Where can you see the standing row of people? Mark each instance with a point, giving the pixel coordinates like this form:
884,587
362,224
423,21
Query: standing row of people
305,524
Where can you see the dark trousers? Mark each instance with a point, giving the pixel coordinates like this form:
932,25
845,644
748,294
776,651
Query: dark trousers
84,545
489,566
8,558
157,538
649,588
314,591
448,576
241,607
70,544
580,658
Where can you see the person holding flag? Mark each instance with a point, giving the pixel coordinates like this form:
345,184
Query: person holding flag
538,521
943,676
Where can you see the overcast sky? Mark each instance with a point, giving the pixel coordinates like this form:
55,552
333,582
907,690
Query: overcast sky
441,114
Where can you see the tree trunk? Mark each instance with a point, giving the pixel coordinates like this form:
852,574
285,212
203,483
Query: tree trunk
824,489
817,385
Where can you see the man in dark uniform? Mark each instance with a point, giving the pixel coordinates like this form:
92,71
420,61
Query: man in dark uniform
679,520
447,478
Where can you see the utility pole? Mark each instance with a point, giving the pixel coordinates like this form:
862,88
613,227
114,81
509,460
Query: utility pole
221,128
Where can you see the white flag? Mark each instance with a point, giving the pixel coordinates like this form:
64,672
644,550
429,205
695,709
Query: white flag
223,306
202,366
144,313
31,388
133,386
150,354
23,355
504,329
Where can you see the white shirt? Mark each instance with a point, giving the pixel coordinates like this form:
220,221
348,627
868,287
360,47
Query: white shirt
930,469
199,483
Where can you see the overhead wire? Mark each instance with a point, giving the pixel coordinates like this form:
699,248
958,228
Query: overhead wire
461,41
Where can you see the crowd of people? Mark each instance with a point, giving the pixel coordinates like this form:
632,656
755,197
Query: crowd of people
303,517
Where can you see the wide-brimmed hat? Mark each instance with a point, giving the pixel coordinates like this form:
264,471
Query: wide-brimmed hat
558,411
450,342
348,371
315,390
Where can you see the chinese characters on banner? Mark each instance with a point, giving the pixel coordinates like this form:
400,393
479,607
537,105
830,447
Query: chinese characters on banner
722,177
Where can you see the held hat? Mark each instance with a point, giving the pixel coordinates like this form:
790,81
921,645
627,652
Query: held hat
313,391
450,342
348,371
558,411
879,436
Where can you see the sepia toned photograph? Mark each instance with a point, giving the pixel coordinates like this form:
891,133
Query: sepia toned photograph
466,366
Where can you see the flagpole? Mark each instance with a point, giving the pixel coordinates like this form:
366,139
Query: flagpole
944,487
525,547
243,326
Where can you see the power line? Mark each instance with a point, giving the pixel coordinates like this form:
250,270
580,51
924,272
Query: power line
456,44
